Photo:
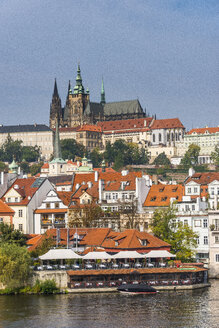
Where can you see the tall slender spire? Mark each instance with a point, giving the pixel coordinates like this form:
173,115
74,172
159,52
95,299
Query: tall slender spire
103,101
69,88
55,92
79,86
57,146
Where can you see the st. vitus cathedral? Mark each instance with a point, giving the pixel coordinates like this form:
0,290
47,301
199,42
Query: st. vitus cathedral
79,109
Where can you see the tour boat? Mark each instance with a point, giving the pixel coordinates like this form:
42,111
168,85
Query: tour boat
136,289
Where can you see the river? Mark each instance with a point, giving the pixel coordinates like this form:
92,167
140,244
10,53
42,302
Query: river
189,309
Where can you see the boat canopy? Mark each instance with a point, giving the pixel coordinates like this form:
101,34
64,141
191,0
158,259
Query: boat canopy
60,254
159,254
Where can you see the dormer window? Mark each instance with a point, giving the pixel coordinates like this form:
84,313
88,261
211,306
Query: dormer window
153,198
144,242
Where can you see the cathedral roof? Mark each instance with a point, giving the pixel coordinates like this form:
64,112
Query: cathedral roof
93,108
122,107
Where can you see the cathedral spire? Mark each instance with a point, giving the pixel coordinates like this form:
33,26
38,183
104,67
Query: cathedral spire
103,101
79,86
69,88
55,92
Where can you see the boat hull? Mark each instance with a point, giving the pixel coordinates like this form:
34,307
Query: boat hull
136,289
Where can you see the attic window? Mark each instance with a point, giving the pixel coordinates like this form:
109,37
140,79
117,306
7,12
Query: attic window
153,198
161,190
144,242
174,190
163,199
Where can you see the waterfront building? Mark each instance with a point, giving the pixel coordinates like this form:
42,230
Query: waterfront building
214,243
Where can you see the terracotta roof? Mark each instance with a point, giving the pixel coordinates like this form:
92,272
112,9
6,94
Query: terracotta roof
45,166
5,209
203,178
26,188
125,125
160,195
95,237
89,127
169,123
131,239
68,129
65,196
204,130
128,271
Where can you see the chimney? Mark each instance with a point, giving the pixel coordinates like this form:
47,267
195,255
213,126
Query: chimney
95,176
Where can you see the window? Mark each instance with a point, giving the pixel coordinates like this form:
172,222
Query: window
20,227
56,205
217,257
9,199
205,240
187,207
216,240
205,223
47,205
1,220
160,138
16,199
197,240
193,207
197,223
185,222
20,213
153,137
195,189
189,190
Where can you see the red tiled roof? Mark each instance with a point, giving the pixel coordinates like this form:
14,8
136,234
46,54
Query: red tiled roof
25,189
130,124
203,178
5,209
95,237
65,197
204,130
169,123
45,166
51,210
159,195
90,127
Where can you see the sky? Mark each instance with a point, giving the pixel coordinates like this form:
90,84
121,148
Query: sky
163,52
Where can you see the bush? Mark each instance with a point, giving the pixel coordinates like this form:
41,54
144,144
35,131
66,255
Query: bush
45,287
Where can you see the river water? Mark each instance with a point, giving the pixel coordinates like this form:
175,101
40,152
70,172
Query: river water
199,308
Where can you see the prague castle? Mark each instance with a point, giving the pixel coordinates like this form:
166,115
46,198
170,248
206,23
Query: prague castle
79,110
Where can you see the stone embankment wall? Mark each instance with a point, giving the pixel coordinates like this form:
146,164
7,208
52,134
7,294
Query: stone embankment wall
60,277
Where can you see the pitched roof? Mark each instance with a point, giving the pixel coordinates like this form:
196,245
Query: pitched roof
204,130
24,128
203,178
95,237
130,125
160,195
4,208
26,188
131,239
45,166
169,123
90,127
60,179
65,196
122,107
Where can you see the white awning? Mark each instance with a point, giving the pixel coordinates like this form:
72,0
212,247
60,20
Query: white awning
128,255
60,254
159,254
96,256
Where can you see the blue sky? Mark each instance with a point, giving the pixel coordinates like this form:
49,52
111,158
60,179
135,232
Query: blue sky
163,52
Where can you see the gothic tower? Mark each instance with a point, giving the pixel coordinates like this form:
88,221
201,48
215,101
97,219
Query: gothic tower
76,103
55,108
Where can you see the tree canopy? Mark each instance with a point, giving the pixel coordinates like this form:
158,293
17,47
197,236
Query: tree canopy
122,153
87,216
181,237
215,155
15,264
96,157
11,236
13,149
191,156
71,148
161,159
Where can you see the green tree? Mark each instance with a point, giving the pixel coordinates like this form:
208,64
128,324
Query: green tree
11,149
87,217
8,235
215,155
14,265
119,162
2,166
191,156
161,159
70,148
96,157
44,247
25,167
181,237
31,154
35,168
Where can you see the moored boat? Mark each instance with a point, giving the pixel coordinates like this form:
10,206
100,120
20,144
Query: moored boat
136,289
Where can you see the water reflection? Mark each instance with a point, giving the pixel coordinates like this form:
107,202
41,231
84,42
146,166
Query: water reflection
188,309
